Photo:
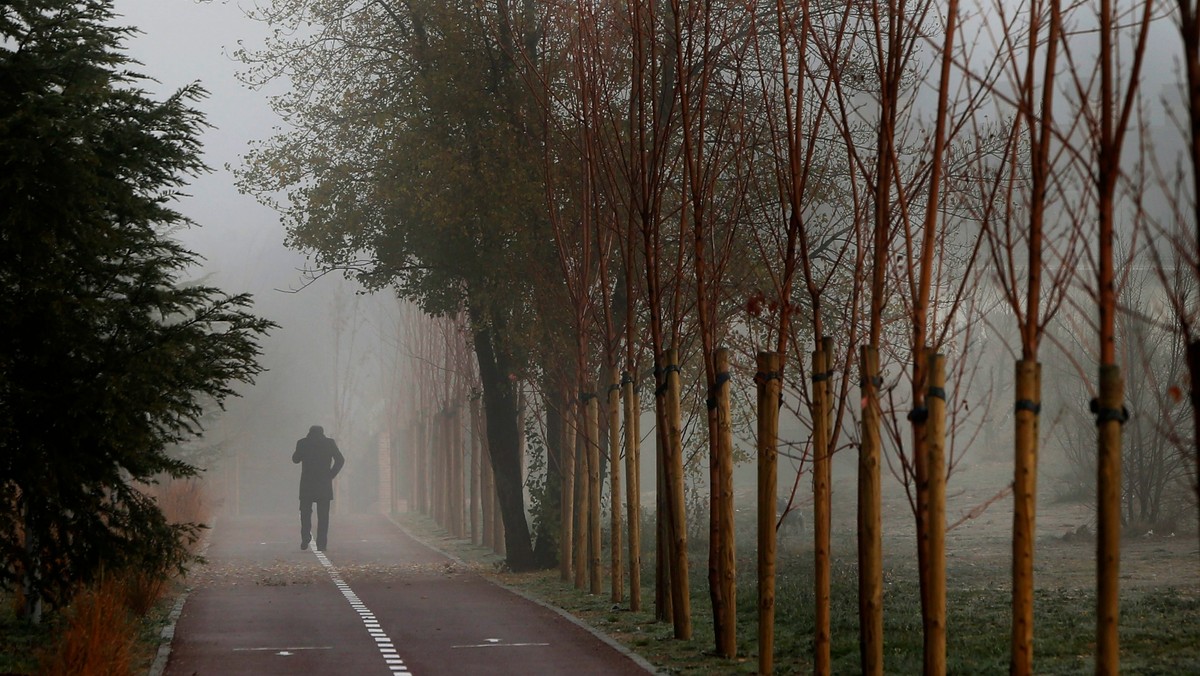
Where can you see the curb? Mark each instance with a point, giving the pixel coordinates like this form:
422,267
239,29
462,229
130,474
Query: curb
605,638
167,636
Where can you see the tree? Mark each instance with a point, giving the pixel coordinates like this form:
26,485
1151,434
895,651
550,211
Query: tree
411,162
107,359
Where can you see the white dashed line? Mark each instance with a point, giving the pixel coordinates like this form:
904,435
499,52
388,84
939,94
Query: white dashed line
393,661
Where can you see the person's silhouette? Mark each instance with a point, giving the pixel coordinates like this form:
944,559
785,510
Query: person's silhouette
320,461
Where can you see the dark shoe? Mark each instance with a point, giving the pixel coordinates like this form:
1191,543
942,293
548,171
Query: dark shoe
304,545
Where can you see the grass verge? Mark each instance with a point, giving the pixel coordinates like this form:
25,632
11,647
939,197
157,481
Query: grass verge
1158,622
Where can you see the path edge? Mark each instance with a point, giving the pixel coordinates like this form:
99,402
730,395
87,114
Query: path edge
603,637
166,636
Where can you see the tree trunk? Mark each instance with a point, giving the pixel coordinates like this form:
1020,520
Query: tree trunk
870,529
614,448
676,509
822,520
935,534
1108,532
768,381
476,476
457,475
1029,389
487,498
722,492
416,477
580,545
500,404
663,610
593,504
567,537
633,440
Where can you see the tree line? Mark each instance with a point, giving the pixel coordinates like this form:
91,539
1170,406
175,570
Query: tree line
592,200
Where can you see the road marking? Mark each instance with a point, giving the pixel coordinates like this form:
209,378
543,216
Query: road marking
500,645
393,661
303,647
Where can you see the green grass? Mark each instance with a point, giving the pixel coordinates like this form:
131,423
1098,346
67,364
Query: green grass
20,642
1160,625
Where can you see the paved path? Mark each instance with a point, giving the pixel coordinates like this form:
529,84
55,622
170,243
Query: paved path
378,602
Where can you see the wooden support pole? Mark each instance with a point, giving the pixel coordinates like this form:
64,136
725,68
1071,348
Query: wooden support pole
633,489
870,532
935,448
613,410
1110,415
1028,398
768,381
822,517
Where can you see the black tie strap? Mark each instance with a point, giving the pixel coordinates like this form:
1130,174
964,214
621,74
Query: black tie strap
722,378
1028,405
1104,415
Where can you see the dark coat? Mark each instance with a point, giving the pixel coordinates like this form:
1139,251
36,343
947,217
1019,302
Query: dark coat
321,462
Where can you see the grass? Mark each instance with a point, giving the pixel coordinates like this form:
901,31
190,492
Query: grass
1159,623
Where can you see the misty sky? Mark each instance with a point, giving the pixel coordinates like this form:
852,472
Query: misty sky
184,41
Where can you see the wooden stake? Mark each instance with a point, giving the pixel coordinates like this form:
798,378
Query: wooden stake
768,380
1028,394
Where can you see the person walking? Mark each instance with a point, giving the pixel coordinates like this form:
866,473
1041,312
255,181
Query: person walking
320,461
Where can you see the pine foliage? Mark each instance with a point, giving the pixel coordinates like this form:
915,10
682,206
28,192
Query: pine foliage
107,358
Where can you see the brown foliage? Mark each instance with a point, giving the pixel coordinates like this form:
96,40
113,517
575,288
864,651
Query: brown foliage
99,634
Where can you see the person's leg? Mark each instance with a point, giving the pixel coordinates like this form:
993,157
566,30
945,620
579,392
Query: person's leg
322,524
305,523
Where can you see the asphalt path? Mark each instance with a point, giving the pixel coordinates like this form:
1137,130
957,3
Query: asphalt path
376,602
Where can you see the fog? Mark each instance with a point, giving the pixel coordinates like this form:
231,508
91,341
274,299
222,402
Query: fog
242,242
310,361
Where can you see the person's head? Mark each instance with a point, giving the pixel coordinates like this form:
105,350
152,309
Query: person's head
316,431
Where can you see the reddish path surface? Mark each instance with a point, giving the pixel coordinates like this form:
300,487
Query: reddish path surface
385,604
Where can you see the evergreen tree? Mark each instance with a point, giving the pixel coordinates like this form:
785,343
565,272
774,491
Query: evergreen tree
106,357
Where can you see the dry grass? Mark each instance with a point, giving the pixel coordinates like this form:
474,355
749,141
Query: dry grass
99,634
181,500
